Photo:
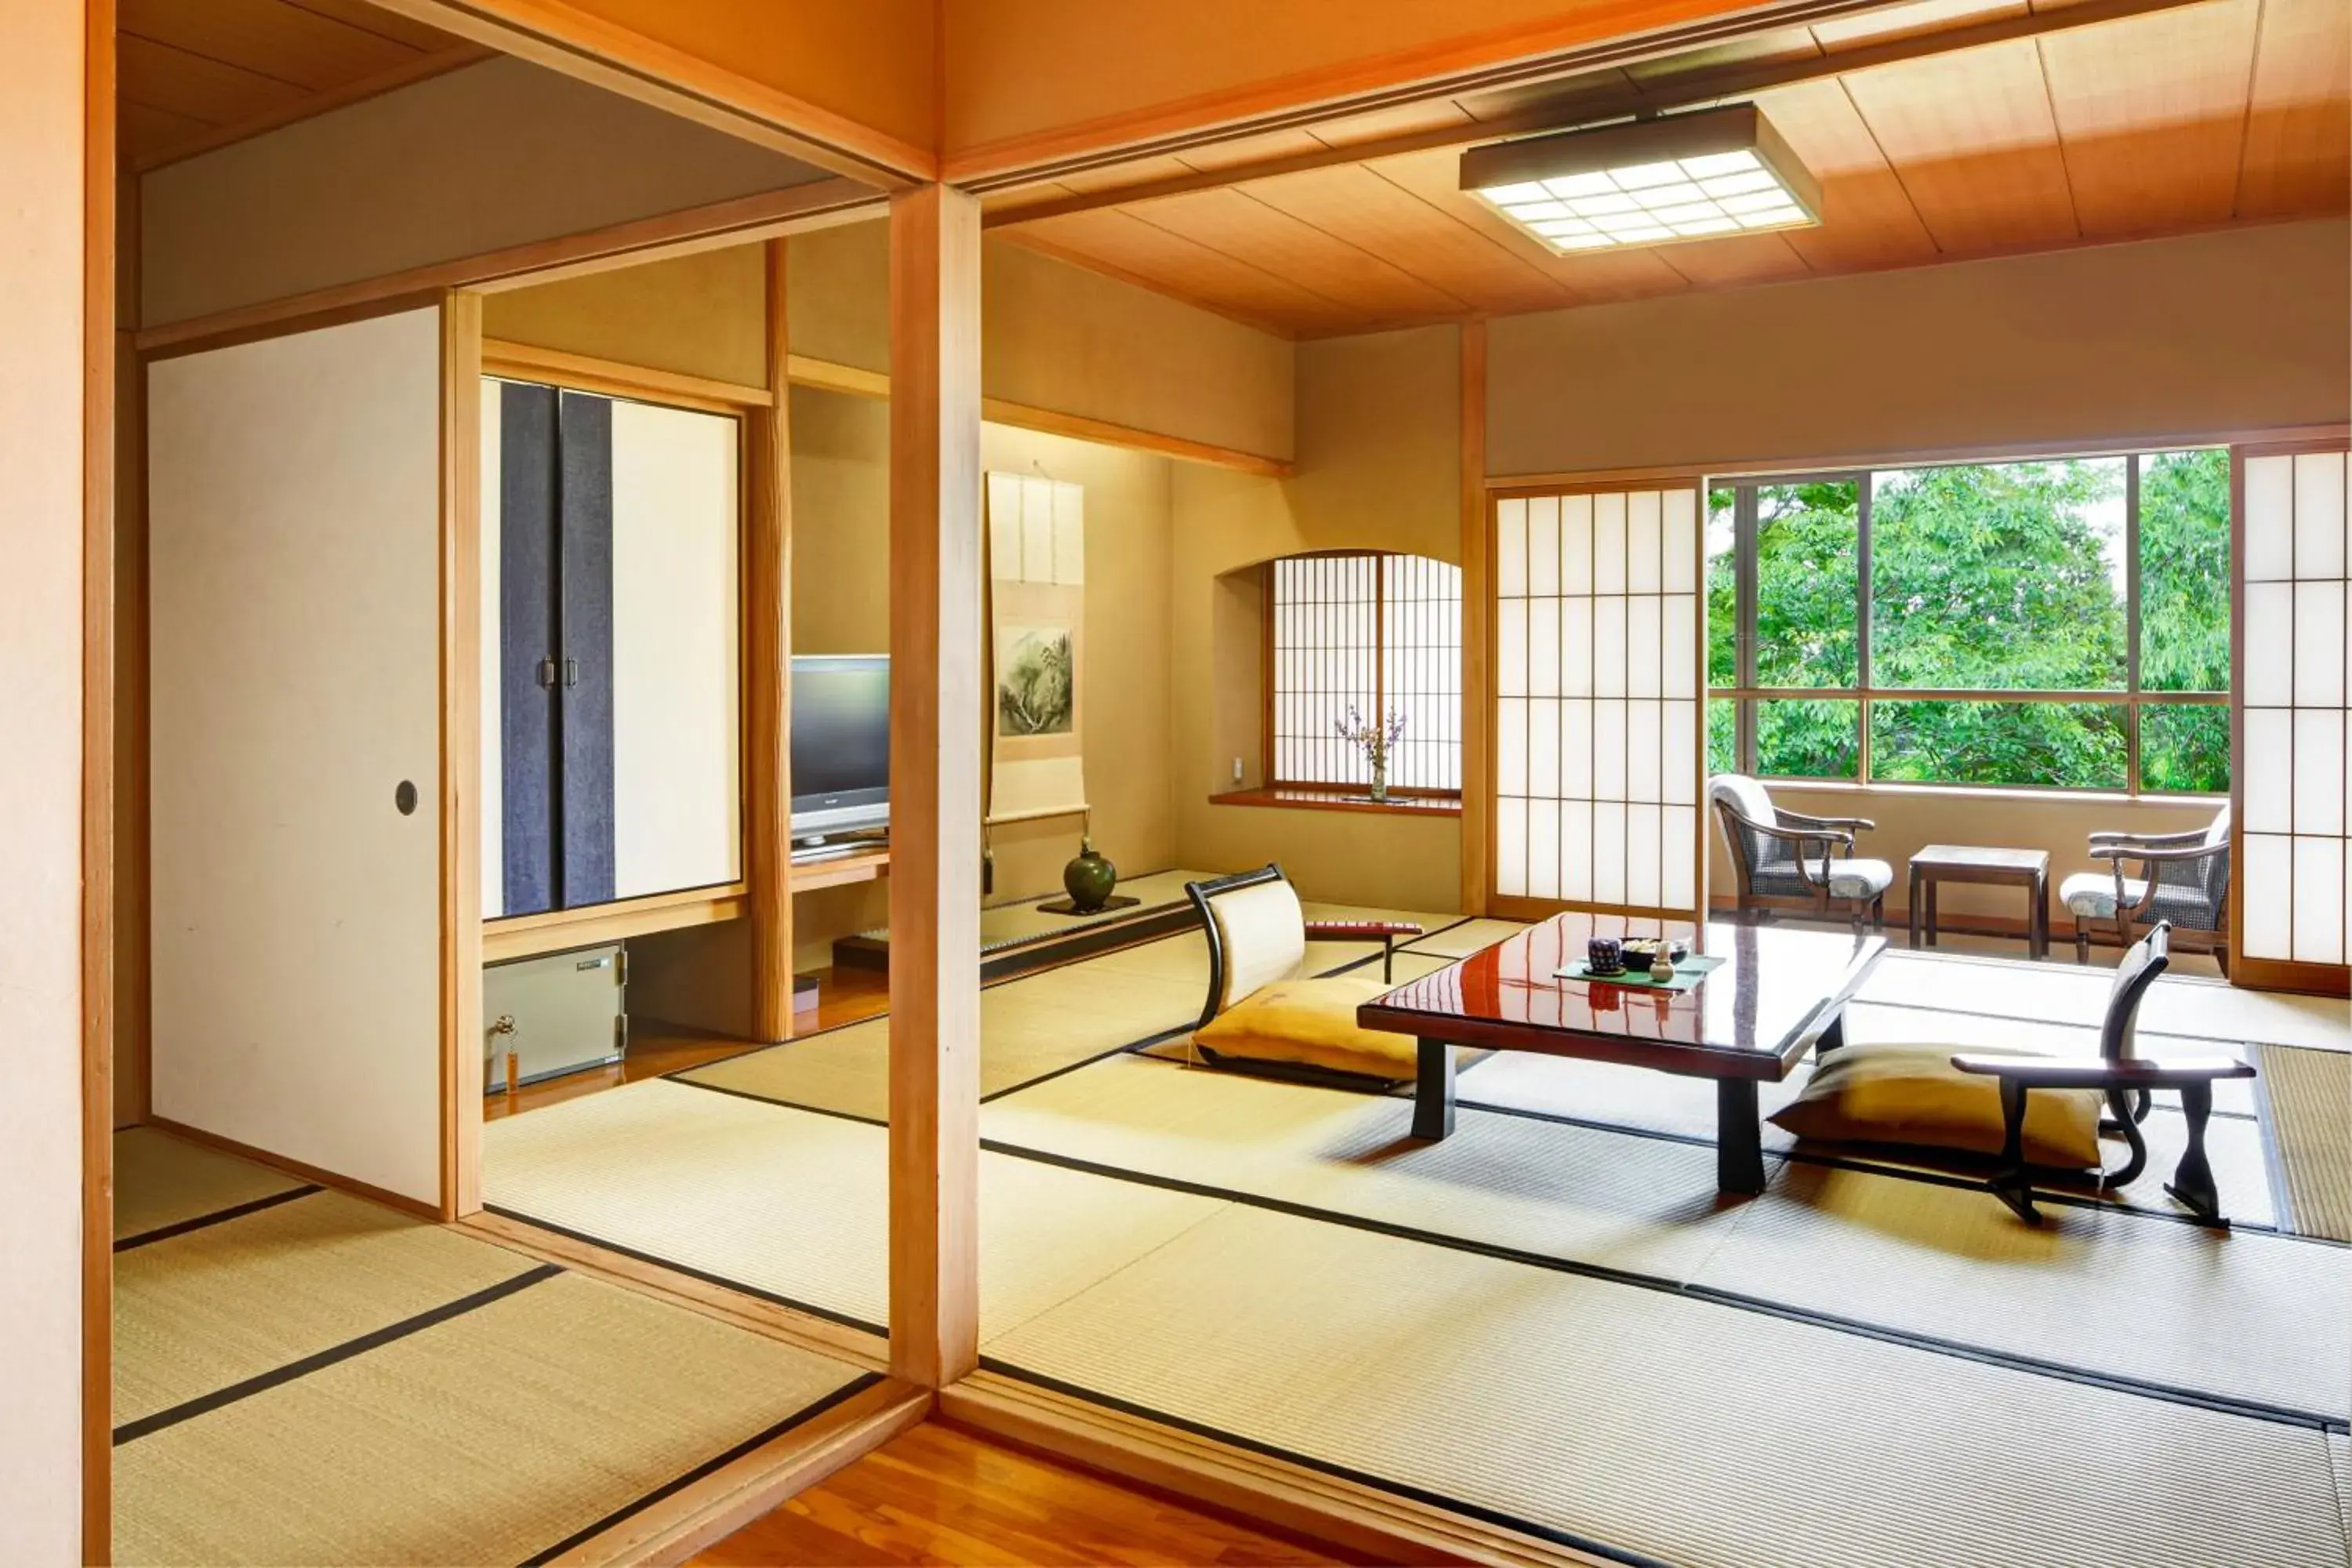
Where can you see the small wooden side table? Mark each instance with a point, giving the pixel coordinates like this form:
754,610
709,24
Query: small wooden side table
2027,868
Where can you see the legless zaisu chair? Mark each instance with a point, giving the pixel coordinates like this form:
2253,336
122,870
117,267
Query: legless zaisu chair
1265,1011
2125,1079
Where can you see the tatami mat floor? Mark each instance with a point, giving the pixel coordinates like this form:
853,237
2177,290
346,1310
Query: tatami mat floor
300,1376
1549,1318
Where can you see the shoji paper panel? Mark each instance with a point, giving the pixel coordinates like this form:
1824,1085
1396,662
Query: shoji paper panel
1598,700
2294,678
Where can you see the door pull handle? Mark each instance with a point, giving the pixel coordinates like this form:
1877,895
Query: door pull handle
571,672
547,673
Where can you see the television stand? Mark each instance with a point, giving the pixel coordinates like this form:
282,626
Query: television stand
842,860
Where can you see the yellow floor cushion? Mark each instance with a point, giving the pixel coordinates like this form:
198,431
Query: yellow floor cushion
1913,1095
1311,1022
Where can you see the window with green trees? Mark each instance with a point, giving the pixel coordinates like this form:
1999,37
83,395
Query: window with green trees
2057,624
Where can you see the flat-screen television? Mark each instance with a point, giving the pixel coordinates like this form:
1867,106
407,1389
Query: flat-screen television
841,743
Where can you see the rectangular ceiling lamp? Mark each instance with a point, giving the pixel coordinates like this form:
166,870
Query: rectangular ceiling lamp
1647,182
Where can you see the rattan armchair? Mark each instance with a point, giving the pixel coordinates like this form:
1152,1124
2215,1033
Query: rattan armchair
2184,881
1787,859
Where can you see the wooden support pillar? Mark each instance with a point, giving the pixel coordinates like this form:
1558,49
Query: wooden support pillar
1477,633
935,769
768,654
98,800
461,754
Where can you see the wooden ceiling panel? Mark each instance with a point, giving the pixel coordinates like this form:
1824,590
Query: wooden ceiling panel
1971,136
214,92
1912,21
268,37
1232,221
1672,71
1404,119
1734,260
2298,147
1357,204
384,24
143,132
1123,244
1867,219
1284,144
2152,115
1435,176
196,73
2165,119
1558,102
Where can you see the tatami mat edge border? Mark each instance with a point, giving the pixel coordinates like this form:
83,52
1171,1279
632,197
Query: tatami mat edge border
831,1316
235,1211
2256,1410
132,1431
1483,1515
809,1412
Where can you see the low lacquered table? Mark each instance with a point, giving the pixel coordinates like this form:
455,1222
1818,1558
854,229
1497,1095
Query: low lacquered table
1780,992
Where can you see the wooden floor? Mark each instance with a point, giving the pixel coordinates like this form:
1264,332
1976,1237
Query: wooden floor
845,996
938,1495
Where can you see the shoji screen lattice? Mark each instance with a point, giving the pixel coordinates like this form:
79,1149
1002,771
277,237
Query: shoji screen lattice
1597,742
2294,678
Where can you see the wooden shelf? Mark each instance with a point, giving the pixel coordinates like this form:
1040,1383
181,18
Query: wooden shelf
525,936
1291,797
861,867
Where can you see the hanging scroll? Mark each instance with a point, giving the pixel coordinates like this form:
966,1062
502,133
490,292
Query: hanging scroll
1036,531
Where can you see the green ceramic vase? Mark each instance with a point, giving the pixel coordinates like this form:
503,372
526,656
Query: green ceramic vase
1089,878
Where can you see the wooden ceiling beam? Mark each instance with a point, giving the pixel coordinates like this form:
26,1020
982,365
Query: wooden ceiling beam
1614,101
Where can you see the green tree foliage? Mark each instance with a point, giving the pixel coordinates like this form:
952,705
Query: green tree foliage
1986,578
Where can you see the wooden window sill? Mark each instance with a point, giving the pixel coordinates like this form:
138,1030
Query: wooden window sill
1294,797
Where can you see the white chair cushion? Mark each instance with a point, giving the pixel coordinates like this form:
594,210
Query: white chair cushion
2092,893
1857,878
1262,933
1746,797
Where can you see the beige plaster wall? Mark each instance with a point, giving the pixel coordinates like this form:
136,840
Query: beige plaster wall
1378,433
704,314
498,154
1059,337
841,605
2237,330
40,783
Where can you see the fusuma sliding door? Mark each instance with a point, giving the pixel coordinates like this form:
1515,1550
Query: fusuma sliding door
1598,746
611,675
2292,898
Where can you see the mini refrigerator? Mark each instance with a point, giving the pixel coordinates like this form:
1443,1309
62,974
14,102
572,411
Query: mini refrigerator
559,1012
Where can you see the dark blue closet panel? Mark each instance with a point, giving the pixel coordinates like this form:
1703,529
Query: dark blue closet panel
526,626
586,531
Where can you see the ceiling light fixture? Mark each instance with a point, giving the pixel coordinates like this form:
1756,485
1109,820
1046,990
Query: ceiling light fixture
1647,182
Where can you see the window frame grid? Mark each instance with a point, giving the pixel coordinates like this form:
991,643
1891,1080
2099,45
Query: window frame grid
2132,697
1279,692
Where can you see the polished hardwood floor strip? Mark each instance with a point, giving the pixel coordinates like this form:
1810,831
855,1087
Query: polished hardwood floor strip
941,1495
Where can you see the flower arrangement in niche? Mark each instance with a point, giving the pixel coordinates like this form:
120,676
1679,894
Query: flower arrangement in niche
1376,740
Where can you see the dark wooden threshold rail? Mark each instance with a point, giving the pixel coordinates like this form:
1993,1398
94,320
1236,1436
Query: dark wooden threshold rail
1338,798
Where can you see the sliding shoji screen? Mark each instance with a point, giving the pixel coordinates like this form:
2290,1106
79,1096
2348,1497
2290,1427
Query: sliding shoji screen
1598,741
2294,678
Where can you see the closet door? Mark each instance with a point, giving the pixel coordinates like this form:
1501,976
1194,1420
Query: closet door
519,646
673,709
584,545
612,682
